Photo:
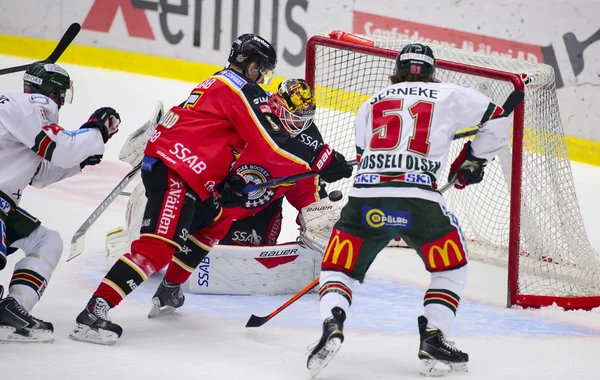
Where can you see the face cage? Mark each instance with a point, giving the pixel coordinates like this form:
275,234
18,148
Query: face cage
294,124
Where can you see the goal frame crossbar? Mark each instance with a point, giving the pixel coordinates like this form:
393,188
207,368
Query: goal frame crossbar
514,298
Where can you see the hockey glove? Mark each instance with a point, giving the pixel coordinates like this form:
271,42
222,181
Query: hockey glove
331,165
466,168
231,192
106,120
91,161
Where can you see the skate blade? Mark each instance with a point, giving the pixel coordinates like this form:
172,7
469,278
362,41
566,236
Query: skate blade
157,311
84,333
322,358
8,335
438,368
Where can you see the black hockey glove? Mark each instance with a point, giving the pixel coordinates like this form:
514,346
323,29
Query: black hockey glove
106,120
466,168
91,161
231,192
331,165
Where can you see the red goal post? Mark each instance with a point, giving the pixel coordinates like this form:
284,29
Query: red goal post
506,227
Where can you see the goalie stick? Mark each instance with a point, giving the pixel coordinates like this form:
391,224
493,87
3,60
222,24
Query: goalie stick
63,44
256,321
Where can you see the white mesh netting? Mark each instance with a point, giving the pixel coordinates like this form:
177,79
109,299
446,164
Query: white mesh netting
555,257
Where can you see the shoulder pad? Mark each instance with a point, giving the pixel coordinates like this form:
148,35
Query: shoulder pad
234,78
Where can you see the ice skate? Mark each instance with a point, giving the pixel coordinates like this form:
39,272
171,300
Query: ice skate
17,325
167,298
331,341
94,326
435,349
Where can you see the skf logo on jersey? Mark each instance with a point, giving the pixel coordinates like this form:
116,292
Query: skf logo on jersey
419,178
366,178
255,174
376,218
342,251
4,206
444,253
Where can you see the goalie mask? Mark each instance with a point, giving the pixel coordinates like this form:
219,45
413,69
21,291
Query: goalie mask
49,79
294,104
417,60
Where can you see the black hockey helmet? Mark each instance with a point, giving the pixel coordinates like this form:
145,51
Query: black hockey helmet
49,79
416,59
249,48
294,104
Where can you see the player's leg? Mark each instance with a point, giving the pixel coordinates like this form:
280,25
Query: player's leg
438,239
206,229
351,249
166,222
42,248
262,228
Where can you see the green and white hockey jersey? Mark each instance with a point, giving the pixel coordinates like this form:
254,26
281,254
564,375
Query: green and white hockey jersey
34,149
404,133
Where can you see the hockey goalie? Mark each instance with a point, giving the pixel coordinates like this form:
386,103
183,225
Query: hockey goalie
247,259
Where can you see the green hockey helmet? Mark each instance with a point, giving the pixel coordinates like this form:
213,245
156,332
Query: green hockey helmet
416,59
49,79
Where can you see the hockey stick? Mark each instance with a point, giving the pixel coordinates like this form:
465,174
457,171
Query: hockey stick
63,44
510,104
78,241
256,321
284,180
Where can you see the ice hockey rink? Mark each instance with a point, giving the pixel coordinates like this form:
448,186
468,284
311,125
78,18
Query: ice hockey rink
206,339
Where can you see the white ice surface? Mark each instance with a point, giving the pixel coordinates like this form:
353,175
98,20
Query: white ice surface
206,339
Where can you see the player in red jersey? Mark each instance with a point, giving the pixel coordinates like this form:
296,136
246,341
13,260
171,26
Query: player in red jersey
258,220
186,161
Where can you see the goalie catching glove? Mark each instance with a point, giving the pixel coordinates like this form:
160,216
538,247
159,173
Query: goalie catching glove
466,168
106,120
331,165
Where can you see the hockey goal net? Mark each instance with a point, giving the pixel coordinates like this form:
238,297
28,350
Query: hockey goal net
525,214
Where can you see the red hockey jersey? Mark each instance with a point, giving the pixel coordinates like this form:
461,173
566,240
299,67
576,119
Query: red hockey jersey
256,170
226,110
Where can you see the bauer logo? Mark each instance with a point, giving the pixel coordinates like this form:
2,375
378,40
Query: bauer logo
376,218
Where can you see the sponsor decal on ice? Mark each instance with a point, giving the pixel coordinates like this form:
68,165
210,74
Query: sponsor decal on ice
377,218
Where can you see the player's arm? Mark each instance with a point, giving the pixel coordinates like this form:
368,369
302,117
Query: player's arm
67,149
47,174
493,135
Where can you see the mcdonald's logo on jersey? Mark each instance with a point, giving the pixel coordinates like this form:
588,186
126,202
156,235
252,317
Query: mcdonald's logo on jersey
444,253
342,251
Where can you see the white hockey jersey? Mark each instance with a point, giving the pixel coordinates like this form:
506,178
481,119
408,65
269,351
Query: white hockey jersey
34,149
404,132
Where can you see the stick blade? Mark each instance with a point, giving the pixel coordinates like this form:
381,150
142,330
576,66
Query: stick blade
512,102
77,245
256,321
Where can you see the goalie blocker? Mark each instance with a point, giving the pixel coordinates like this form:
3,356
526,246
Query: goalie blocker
245,270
